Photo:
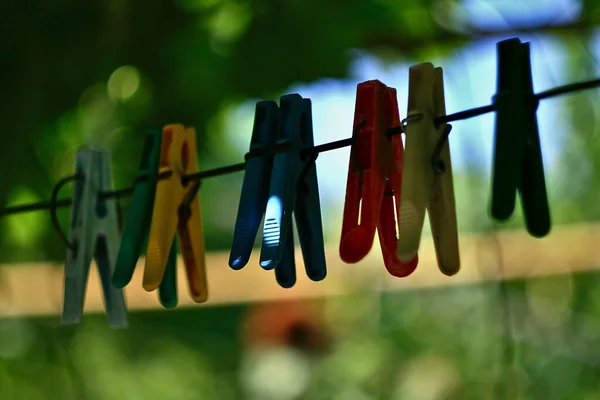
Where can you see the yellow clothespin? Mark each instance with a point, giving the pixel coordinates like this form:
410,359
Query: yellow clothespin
427,180
177,209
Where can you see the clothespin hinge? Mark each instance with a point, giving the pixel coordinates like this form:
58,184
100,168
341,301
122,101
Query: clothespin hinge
184,211
439,167
436,162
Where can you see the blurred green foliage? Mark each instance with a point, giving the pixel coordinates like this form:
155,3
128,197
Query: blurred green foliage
103,72
453,343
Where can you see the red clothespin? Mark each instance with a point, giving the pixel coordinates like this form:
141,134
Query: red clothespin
374,179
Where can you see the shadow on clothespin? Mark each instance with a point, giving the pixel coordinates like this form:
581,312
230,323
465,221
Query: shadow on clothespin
137,225
427,183
374,179
94,233
177,209
281,179
518,164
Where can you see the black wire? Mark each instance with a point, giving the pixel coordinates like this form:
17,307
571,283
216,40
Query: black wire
117,194
570,88
473,112
211,173
461,115
338,144
53,207
44,205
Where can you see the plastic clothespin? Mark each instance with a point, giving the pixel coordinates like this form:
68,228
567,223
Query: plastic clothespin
518,164
427,181
94,233
137,225
177,209
255,189
374,179
294,188
281,183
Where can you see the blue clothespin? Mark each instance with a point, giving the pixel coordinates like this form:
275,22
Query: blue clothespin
137,225
518,165
255,189
94,233
292,188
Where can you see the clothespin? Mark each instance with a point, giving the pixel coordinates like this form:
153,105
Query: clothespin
137,225
94,233
427,181
292,188
374,179
518,162
255,189
177,209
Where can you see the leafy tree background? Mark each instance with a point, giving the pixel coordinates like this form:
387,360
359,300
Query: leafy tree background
103,72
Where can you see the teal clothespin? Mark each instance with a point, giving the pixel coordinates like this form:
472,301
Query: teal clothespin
294,189
518,165
94,233
137,225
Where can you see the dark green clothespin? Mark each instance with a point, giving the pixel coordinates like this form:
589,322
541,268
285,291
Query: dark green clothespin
517,161
137,225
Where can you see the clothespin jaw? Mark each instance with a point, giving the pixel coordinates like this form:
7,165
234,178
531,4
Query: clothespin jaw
518,165
293,188
255,189
137,224
374,179
424,188
167,290
391,198
177,209
94,233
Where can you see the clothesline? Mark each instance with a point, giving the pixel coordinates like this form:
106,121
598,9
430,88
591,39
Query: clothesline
458,116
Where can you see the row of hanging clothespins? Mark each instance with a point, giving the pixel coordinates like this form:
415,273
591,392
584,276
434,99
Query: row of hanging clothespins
389,188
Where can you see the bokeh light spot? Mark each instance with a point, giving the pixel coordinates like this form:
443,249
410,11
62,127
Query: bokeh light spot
429,377
123,83
26,228
550,299
97,115
230,21
276,373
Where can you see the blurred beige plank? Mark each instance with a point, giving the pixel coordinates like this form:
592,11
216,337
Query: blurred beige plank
36,289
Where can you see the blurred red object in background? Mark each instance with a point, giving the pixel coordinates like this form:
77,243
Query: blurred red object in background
294,324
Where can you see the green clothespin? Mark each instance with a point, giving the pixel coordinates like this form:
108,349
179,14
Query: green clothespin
137,225
518,165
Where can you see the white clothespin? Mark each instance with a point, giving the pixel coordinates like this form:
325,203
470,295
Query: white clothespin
94,233
427,180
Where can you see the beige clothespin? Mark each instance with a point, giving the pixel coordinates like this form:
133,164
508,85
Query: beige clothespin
427,180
